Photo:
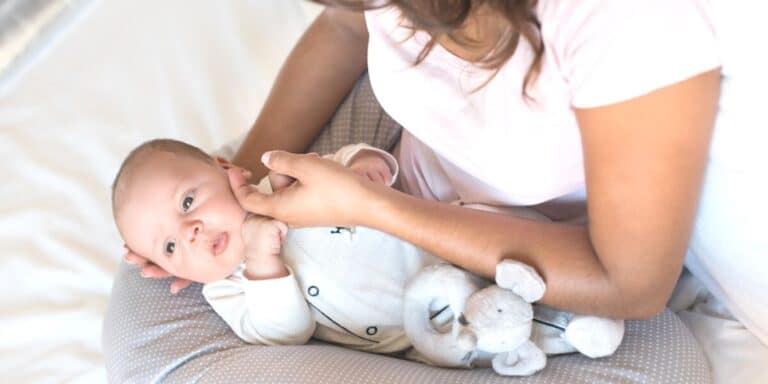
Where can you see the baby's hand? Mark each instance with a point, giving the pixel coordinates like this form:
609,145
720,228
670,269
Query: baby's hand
263,238
371,166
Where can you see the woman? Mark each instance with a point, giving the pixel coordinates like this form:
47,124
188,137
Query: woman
572,108
515,135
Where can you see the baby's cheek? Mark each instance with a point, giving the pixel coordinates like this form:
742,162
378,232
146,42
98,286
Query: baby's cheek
232,205
225,211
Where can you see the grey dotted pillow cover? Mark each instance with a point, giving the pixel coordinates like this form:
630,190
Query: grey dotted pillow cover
151,336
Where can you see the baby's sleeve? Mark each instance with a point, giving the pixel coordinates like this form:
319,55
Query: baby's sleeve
269,312
347,153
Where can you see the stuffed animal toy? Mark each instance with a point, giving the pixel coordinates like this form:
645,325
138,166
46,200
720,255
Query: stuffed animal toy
455,319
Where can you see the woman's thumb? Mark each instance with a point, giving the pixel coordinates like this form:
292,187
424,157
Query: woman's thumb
281,162
246,194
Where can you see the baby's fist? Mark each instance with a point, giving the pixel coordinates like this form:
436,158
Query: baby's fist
263,236
371,166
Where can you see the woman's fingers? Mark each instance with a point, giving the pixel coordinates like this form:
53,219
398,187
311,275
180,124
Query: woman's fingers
286,163
322,192
132,258
247,195
148,269
153,271
178,284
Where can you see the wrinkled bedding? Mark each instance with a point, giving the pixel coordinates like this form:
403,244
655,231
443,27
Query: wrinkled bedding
122,72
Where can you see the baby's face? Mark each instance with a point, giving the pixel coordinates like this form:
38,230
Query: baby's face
181,214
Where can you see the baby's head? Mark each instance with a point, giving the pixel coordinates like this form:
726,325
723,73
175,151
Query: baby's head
173,205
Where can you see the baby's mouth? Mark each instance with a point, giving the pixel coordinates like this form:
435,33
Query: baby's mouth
220,243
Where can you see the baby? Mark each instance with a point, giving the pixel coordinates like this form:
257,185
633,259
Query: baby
173,205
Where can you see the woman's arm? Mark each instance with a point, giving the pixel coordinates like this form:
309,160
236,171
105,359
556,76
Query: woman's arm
316,76
644,161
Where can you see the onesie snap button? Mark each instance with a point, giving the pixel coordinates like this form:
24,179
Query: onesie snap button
371,331
313,290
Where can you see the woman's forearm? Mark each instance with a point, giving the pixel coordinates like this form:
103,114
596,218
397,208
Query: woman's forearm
478,240
316,76
623,282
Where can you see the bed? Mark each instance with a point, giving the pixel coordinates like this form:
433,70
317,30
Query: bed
99,78
92,80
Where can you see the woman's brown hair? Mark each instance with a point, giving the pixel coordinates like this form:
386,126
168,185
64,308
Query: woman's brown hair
444,17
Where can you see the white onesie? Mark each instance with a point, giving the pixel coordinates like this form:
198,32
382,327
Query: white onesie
345,286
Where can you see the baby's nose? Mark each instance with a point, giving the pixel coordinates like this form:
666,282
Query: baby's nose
193,229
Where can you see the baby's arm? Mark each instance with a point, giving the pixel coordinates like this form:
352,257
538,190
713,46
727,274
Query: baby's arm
269,311
264,303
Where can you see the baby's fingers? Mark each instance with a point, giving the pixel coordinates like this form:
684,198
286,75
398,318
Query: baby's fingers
279,181
379,176
374,176
386,176
282,228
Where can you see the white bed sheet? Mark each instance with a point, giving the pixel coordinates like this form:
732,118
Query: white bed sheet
126,72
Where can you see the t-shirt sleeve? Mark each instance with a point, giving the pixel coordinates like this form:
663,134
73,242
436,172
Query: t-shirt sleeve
615,50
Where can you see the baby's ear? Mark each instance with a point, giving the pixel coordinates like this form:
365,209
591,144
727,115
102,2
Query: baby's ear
222,162
226,165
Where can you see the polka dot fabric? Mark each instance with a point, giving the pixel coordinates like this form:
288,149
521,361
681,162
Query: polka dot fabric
151,336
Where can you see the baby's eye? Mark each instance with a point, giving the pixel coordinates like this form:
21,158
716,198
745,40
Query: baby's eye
187,202
170,246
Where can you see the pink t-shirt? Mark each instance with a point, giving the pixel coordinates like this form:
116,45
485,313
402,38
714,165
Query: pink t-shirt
494,147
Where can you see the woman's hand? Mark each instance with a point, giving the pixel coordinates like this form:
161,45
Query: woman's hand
154,271
324,192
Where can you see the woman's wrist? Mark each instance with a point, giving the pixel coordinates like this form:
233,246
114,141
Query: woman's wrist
377,205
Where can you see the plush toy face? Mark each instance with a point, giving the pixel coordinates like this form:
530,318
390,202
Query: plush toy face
499,319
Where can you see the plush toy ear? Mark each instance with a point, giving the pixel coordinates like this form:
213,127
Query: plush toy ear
521,279
467,340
